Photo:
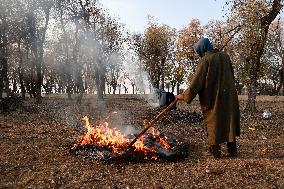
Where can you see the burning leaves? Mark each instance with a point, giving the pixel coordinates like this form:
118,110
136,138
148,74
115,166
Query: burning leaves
112,143
103,135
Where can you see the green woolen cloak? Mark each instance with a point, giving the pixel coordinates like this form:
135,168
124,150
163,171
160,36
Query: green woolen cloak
213,81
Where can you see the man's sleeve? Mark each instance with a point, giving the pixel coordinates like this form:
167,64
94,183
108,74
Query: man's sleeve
197,83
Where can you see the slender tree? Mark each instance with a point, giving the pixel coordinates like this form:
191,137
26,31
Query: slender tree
255,18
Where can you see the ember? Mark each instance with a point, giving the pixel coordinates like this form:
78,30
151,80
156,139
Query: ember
105,142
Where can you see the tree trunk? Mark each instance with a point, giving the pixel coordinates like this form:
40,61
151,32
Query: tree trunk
5,76
250,107
20,72
40,63
39,82
133,88
99,80
103,82
15,88
281,77
178,87
173,88
1,80
155,78
35,49
4,81
1,68
114,89
274,90
35,89
125,88
66,47
81,89
253,77
256,53
163,74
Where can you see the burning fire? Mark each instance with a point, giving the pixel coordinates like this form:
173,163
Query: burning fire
112,139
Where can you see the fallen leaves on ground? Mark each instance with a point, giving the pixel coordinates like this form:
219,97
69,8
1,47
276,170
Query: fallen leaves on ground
34,145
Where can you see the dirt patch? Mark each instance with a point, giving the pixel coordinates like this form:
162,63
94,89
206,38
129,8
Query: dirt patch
34,148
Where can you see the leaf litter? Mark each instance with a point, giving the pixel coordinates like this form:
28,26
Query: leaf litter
35,143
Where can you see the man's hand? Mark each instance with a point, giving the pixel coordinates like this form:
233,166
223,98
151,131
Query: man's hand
180,97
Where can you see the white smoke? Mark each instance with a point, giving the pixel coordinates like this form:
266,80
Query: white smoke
135,72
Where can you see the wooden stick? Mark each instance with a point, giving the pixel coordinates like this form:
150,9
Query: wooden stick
150,124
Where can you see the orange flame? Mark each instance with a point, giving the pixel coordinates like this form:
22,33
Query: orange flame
104,136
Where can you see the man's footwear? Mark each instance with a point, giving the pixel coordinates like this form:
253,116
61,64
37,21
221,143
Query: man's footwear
232,149
215,150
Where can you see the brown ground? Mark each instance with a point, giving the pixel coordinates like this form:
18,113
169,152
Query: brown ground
34,149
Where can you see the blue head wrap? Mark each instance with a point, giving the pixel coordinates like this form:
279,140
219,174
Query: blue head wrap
203,46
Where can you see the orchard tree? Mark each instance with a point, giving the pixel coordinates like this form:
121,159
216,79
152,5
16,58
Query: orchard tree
65,12
221,33
37,22
274,54
5,28
216,32
254,17
155,49
112,42
187,37
103,39
176,76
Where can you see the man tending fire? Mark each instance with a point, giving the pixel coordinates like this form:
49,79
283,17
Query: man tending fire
214,82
